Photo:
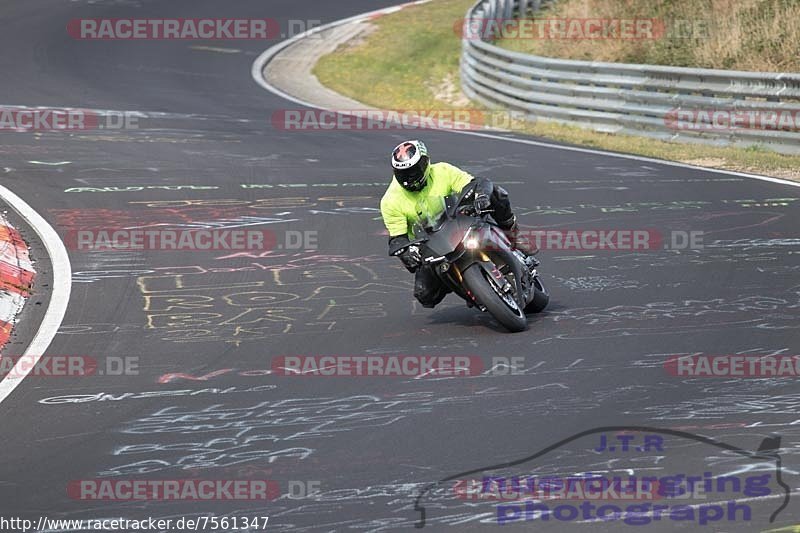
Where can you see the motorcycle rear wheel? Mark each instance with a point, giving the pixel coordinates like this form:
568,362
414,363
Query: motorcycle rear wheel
540,297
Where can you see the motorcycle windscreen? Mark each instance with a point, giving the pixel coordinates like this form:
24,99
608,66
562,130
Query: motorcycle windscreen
449,235
430,215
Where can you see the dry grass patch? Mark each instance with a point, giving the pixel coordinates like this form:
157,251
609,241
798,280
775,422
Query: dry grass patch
759,35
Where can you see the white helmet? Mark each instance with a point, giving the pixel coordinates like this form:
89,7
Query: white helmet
410,163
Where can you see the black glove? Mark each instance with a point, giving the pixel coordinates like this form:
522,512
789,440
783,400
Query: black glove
483,190
411,258
482,203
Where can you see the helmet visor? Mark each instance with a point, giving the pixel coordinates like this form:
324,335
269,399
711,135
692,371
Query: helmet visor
413,178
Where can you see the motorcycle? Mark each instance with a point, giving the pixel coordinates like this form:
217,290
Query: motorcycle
475,260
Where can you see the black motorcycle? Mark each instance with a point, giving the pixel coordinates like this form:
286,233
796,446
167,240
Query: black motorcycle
474,258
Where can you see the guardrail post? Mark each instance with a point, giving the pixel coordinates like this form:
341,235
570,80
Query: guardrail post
508,10
492,9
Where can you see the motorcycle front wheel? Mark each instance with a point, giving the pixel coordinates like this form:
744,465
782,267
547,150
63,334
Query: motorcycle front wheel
502,305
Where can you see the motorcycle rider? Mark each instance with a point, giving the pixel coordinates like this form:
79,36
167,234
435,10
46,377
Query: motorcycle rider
417,182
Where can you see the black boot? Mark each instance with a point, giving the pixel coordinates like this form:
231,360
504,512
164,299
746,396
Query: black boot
519,242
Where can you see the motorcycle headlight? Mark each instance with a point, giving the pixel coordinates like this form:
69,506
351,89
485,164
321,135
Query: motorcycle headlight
471,243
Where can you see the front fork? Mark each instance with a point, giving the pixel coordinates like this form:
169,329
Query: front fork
484,262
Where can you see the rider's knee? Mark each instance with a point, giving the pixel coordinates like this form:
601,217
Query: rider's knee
502,205
429,293
500,194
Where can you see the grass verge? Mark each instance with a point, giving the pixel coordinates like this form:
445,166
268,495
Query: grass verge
411,61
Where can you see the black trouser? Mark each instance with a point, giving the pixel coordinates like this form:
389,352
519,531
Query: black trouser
428,289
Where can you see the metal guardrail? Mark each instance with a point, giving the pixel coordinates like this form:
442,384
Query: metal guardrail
669,103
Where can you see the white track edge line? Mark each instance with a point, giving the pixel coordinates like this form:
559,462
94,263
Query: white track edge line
261,61
59,297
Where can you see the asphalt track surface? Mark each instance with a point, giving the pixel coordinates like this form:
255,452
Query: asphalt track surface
595,358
